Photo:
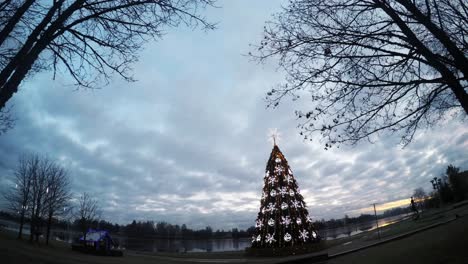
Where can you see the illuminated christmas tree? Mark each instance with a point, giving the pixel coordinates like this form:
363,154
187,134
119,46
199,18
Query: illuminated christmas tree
283,220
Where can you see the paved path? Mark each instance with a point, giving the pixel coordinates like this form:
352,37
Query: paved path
444,244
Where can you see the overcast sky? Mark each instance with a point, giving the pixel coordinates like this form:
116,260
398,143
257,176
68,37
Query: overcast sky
188,143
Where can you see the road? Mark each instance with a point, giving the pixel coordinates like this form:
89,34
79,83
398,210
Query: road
444,244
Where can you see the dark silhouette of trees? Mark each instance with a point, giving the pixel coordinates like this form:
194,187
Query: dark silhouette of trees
86,212
458,182
370,66
164,230
19,199
88,39
41,190
57,196
38,194
445,192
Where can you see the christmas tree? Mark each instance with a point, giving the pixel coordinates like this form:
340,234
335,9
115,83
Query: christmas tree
283,220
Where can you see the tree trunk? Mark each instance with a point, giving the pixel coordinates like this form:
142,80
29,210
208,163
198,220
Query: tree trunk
14,20
31,234
49,224
22,54
447,75
461,62
9,85
20,233
38,224
462,97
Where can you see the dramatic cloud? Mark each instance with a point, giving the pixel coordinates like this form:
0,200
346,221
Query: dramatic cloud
187,143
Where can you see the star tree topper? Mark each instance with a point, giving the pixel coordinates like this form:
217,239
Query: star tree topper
274,136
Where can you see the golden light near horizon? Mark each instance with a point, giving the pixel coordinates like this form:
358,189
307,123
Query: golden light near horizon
385,206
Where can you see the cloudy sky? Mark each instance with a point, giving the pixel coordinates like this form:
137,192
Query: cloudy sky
188,142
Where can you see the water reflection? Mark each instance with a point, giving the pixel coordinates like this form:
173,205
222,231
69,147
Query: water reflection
186,245
354,229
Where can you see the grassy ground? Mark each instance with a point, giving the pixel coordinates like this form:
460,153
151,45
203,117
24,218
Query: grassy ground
442,244
366,238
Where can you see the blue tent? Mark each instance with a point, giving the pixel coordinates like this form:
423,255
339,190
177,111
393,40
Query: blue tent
99,239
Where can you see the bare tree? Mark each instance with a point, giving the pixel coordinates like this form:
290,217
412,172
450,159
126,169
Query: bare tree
42,189
88,39
370,66
57,196
39,191
87,212
19,198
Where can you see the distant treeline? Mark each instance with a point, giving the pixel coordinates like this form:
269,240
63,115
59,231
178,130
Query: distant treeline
151,229
144,229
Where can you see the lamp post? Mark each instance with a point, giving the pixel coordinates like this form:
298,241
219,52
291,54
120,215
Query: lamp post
376,221
68,224
437,184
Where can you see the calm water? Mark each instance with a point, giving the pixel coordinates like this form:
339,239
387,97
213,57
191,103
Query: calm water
186,245
215,245
354,229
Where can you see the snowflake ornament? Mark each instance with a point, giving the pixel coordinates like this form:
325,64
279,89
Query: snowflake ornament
271,180
259,238
299,221
289,179
304,234
279,169
254,238
271,222
271,207
296,204
309,219
291,193
270,238
290,172
259,223
287,237
284,206
285,220
273,193
283,191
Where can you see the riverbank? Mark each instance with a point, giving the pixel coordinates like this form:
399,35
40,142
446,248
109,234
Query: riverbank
15,251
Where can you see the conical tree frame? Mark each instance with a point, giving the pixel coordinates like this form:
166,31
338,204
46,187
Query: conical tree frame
283,220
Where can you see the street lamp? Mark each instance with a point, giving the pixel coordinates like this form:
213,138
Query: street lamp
437,184
68,225
376,221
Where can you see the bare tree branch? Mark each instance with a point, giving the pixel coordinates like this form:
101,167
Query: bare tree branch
91,40
370,66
